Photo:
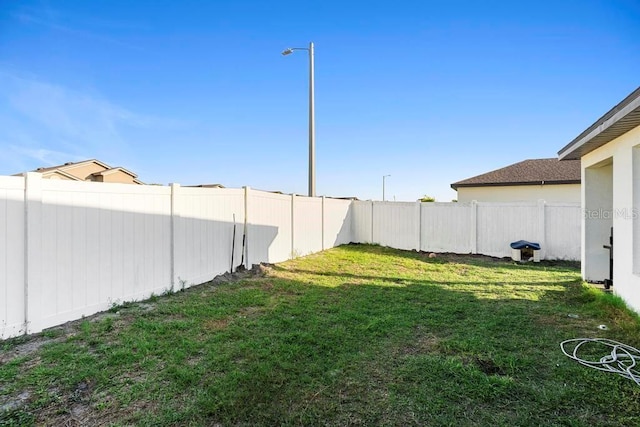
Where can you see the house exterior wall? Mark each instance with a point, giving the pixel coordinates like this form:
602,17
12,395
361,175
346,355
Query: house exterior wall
597,218
119,177
623,215
82,171
562,193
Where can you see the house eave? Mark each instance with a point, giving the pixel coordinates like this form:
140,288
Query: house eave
616,122
60,172
514,184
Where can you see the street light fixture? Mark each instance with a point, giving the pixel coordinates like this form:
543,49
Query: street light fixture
312,119
383,178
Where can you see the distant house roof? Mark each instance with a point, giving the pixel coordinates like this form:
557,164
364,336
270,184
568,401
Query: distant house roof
115,170
70,171
617,121
71,165
206,186
528,172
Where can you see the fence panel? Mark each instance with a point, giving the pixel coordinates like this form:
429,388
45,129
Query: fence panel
397,225
499,224
562,231
101,244
269,234
307,230
204,223
447,227
337,222
12,251
361,221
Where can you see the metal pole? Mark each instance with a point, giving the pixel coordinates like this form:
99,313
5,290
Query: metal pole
312,126
312,118
383,178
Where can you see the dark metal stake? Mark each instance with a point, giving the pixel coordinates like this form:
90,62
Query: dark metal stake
608,283
233,242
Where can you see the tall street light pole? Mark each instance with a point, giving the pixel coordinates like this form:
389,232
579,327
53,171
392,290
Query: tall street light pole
383,178
312,118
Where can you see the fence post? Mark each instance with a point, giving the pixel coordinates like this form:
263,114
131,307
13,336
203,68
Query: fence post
32,250
419,226
322,230
175,215
542,228
293,223
372,204
246,225
474,227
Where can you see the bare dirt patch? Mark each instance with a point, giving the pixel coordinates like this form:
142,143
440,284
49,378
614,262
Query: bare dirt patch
217,324
26,348
487,366
423,344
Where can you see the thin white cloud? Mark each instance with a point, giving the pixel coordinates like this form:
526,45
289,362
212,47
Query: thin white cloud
49,124
61,111
45,157
50,19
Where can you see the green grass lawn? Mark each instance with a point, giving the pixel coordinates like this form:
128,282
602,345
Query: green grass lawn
357,335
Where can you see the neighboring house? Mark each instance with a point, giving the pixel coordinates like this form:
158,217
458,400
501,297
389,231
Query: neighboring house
89,170
529,180
610,153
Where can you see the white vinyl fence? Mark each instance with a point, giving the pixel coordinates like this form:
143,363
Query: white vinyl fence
70,249
478,228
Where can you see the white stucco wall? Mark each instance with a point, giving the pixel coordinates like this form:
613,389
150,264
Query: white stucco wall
597,213
623,214
521,193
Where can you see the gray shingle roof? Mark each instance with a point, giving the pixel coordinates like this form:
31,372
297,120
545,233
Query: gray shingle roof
528,172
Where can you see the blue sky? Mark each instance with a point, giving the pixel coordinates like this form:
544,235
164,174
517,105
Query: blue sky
197,91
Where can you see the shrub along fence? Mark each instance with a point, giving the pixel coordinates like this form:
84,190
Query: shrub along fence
70,249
